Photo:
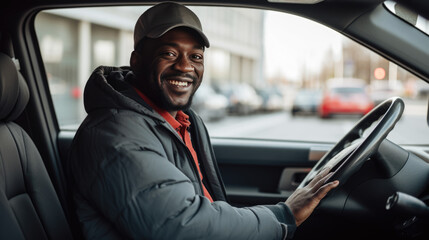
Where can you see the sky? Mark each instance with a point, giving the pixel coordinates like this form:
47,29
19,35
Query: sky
292,40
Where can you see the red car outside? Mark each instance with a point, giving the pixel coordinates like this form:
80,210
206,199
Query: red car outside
345,99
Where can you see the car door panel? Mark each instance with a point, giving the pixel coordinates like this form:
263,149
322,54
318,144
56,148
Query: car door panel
263,171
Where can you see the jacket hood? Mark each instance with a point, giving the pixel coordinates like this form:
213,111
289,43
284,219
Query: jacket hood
109,87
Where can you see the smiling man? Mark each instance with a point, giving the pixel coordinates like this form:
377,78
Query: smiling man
170,68
141,163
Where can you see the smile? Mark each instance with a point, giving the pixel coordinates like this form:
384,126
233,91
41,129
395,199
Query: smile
179,83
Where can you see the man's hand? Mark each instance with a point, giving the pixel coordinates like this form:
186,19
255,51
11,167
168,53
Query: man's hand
303,201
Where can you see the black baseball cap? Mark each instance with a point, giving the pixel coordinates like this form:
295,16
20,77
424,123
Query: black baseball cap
163,17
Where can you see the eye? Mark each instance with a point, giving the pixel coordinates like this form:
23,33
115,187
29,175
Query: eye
197,57
168,54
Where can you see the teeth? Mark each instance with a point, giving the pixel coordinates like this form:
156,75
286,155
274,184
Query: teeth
178,83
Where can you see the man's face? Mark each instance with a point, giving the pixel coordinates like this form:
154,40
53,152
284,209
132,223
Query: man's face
172,68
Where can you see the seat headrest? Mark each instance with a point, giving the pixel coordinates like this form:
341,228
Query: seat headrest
14,94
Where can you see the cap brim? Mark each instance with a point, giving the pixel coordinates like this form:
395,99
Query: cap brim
158,32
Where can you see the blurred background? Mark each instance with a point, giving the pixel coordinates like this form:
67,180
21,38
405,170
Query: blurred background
267,75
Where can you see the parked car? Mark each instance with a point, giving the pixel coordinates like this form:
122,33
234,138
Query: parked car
272,99
382,90
384,175
243,99
209,104
306,101
345,99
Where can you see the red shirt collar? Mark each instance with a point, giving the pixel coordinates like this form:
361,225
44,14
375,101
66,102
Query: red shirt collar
181,118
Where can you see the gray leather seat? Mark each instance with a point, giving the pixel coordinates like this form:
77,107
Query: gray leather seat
29,206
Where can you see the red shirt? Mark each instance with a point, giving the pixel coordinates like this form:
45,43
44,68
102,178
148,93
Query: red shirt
180,124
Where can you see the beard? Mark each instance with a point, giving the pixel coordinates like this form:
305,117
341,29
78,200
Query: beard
160,96
166,104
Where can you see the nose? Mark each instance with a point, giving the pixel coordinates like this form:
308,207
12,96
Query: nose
183,64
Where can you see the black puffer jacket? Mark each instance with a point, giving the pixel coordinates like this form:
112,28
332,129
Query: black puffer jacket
133,177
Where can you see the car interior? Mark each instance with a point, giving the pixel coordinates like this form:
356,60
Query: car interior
384,185
30,207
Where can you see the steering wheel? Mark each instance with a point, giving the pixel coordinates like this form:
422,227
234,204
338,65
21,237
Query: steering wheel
349,154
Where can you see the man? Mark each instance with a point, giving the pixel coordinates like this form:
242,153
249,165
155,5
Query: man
142,168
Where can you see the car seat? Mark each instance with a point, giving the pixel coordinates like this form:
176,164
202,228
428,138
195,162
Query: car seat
29,206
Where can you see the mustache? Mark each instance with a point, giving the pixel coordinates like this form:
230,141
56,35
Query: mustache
179,75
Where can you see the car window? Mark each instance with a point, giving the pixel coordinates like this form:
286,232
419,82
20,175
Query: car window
268,75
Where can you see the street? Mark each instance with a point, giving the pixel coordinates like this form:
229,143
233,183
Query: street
411,129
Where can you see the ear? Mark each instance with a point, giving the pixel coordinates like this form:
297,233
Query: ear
135,60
